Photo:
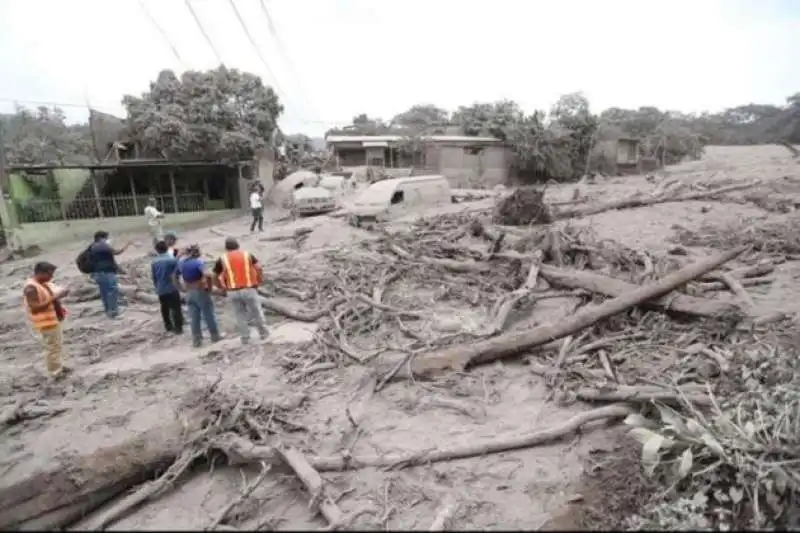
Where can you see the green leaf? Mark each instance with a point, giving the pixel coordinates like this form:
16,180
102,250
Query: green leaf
685,466
712,443
650,455
700,499
642,435
671,418
636,420
693,427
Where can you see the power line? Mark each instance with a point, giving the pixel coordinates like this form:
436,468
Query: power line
50,104
163,33
203,31
329,123
258,52
281,48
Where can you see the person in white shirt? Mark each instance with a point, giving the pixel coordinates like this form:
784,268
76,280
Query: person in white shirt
256,208
154,217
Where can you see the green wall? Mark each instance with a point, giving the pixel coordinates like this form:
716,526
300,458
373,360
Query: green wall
50,234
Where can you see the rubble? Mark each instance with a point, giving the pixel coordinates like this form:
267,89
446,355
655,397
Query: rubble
675,345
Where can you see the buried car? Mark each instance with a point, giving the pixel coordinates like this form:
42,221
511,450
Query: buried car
394,197
313,201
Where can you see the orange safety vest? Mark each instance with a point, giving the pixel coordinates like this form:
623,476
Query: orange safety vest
46,318
238,271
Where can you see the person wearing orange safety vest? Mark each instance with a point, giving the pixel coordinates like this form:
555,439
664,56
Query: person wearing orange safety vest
238,274
42,303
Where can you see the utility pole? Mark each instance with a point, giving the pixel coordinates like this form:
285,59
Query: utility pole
7,223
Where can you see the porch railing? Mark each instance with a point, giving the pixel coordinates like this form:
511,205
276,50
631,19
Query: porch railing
51,210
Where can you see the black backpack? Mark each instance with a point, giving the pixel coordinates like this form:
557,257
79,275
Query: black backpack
84,261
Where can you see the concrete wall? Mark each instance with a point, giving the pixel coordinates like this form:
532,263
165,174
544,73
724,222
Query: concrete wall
265,171
374,153
50,234
464,169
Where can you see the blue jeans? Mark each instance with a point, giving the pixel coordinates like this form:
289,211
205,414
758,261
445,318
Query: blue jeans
109,294
201,306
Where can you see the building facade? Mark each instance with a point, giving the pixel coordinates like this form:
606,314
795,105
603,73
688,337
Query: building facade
467,162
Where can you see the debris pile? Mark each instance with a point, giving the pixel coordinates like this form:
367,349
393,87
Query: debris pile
523,207
773,238
644,336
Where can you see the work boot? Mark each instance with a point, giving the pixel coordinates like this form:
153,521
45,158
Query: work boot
59,375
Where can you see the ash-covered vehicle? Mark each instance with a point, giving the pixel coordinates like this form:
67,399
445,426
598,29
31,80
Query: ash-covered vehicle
324,197
390,198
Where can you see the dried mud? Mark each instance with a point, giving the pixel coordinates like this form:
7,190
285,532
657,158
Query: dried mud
129,375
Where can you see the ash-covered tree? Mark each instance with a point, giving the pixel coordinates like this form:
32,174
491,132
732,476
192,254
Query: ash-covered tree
42,136
362,124
423,118
493,119
543,148
217,115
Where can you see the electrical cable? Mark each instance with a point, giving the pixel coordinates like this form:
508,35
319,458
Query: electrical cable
163,33
113,110
261,57
284,54
203,31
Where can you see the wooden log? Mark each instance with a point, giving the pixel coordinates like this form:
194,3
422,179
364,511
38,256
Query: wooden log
721,286
737,289
444,514
287,311
597,283
243,451
314,484
630,203
461,356
57,496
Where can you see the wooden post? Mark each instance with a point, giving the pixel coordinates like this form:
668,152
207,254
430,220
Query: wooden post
133,192
172,187
8,220
96,190
114,205
206,194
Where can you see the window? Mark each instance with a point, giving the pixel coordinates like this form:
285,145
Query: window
397,197
299,186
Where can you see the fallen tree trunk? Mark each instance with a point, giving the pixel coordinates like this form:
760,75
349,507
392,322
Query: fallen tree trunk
243,451
56,497
459,357
302,316
629,203
20,412
597,283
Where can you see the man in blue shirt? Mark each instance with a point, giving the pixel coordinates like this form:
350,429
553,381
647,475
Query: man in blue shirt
197,283
163,269
104,271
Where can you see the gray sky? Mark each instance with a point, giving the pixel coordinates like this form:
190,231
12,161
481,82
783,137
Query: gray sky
351,56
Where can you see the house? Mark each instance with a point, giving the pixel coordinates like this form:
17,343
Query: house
47,204
617,156
466,161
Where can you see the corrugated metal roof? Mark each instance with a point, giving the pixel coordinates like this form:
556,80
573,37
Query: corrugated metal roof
398,138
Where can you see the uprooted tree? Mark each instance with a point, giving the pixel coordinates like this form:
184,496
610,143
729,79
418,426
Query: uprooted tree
221,115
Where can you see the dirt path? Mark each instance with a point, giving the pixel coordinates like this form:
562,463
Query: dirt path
128,375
